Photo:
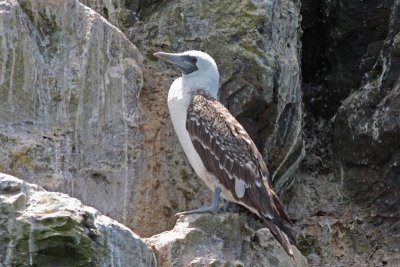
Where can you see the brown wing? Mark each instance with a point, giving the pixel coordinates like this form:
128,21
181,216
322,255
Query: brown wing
231,156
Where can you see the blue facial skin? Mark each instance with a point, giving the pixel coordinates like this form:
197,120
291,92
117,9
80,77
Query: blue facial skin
188,64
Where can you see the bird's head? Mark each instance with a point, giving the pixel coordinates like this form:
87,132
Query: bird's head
198,68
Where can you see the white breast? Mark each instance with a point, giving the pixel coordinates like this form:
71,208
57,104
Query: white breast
178,102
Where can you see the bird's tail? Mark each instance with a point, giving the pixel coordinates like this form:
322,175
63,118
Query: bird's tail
282,220
288,230
280,236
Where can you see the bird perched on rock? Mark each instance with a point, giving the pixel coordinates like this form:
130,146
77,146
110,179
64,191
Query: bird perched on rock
218,147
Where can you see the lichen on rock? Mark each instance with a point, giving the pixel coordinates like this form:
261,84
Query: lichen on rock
41,228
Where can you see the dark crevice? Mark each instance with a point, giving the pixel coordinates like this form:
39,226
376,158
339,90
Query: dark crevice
341,42
105,12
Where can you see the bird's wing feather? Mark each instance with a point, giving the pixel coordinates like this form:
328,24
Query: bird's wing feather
228,152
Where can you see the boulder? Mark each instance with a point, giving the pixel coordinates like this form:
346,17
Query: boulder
41,228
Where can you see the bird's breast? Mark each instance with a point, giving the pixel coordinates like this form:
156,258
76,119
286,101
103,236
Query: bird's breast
178,103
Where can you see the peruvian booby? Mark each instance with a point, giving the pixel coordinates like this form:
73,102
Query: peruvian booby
219,149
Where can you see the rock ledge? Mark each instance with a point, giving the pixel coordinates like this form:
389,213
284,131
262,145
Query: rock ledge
225,239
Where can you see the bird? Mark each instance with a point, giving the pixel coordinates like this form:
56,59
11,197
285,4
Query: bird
217,146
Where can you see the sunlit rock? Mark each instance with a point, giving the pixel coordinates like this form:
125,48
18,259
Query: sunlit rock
69,83
41,228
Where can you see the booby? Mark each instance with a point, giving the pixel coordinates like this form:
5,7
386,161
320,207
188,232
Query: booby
219,149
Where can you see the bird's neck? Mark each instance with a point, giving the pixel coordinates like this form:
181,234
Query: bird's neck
208,82
183,88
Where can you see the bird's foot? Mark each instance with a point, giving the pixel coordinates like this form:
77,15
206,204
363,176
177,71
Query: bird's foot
199,210
213,207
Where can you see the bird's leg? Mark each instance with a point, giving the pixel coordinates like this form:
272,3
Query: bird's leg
211,208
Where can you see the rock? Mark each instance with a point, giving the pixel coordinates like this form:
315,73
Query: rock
120,13
41,228
258,57
366,145
345,199
223,239
69,83
366,134
341,41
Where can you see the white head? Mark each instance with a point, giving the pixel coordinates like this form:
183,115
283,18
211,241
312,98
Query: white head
199,70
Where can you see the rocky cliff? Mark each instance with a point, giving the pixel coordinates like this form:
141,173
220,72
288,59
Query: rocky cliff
83,111
69,86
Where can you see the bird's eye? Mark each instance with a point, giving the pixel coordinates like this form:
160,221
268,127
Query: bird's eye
194,60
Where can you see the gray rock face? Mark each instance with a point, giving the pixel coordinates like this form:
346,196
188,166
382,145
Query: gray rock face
120,13
220,240
40,228
69,83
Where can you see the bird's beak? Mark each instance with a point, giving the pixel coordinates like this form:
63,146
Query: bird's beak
170,57
184,62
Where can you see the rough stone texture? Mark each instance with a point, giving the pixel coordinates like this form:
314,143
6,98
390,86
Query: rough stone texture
168,183
342,40
367,143
367,131
220,240
41,228
121,13
258,57
69,83
346,198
